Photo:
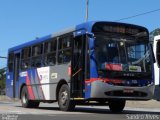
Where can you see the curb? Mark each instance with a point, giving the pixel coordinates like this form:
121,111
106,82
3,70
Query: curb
5,98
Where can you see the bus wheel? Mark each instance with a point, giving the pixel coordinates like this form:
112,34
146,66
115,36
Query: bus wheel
116,105
35,104
64,102
25,99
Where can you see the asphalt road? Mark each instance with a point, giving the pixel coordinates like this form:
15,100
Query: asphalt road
14,111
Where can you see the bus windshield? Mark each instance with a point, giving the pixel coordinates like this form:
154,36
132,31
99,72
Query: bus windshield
122,53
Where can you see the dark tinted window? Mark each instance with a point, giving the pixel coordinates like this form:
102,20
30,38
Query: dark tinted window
49,58
64,50
10,61
36,61
25,58
50,46
37,50
26,53
64,43
64,56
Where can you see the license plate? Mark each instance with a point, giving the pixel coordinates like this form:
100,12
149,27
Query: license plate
128,90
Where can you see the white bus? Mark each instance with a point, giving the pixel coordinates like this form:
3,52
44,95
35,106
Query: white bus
156,49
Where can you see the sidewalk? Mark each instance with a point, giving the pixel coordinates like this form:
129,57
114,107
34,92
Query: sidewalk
5,98
135,104
143,104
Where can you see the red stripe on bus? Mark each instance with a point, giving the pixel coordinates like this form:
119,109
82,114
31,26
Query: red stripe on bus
69,70
115,67
105,80
31,95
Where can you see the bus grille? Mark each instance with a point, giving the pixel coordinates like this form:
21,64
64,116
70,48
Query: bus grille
122,94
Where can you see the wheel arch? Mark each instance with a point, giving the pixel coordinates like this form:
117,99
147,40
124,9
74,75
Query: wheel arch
60,83
21,90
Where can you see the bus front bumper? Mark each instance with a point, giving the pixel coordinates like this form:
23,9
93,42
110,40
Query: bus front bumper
103,90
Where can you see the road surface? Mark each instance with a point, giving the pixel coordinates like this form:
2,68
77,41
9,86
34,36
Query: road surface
14,111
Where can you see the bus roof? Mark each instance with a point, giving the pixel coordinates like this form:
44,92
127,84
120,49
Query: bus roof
84,26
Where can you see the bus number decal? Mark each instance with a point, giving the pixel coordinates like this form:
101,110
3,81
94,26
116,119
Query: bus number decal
54,76
23,74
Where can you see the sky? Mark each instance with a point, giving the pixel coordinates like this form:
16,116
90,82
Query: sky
24,20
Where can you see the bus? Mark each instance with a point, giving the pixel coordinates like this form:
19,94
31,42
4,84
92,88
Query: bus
156,50
96,62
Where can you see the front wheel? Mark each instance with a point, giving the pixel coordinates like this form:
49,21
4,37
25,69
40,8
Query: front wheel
116,105
25,99
64,102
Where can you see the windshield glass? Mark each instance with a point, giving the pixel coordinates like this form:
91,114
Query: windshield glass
122,53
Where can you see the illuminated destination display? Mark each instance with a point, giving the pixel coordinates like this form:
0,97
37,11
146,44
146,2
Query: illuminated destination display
120,29
117,28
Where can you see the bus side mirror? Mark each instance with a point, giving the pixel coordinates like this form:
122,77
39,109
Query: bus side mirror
90,35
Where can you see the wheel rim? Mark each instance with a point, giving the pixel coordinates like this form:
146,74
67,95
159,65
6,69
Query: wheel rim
64,98
24,98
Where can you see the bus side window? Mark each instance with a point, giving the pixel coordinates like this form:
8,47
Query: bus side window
60,57
50,53
51,59
64,50
10,62
53,46
25,58
67,56
37,51
66,42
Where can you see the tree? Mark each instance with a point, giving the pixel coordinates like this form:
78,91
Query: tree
2,78
154,33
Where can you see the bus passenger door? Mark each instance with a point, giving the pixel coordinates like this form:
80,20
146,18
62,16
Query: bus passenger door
78,67
16,75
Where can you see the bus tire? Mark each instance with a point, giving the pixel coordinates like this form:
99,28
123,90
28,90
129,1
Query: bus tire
116,105
25,99
35,104
64,102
